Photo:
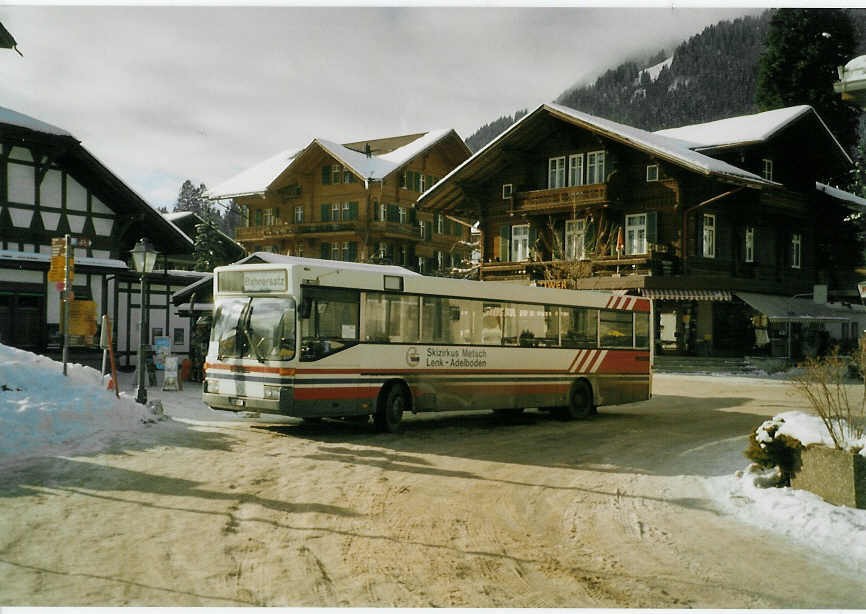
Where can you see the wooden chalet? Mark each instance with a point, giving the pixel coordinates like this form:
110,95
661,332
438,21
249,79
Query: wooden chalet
711,220
353,202
51,186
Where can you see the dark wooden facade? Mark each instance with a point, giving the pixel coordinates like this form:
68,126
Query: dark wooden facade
688,224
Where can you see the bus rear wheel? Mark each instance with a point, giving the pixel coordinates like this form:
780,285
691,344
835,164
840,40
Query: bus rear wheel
389,413
579,405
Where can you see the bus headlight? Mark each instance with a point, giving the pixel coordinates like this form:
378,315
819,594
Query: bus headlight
212,385
272,393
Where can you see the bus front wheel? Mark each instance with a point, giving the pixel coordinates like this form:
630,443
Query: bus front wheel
579,403
389,414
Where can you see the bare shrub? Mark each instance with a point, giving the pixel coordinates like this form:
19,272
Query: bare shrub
823,384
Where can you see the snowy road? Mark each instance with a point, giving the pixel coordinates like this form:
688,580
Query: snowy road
630,509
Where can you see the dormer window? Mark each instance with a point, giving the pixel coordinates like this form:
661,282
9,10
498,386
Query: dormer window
767,171
507,191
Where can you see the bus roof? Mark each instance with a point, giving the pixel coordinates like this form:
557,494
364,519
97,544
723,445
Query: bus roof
371,277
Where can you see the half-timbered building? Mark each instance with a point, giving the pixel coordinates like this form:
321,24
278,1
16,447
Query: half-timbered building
728,224
52,187
353,202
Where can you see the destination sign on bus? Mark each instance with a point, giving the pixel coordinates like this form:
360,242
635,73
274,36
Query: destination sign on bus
271,280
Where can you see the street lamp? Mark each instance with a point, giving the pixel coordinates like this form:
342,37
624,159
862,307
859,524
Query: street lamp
144,258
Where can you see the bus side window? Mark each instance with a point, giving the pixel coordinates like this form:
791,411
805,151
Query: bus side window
579,327
616,329
333,322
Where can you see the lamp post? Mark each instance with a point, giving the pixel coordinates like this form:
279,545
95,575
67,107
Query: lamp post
144,258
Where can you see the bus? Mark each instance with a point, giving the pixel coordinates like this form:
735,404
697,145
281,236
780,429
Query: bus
313,338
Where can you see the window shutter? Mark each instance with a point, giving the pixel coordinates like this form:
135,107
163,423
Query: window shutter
652,234
326,212
326,174
413,216
326,251
505,244
353,210
353,252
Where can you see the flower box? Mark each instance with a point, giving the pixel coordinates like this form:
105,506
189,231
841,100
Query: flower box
837,476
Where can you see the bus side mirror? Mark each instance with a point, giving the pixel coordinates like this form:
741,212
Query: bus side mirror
305,308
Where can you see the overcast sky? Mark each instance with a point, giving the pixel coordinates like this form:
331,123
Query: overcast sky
164,94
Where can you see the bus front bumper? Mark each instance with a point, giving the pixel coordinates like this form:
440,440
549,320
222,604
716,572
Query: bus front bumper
229,403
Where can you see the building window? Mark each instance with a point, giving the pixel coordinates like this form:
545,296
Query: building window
575,169
270,216
440,260
635,234
575,234
556,172
750,244
507,190
422,264
336,173
440,224
709,235
404,217
652,172
595,167
299,250
767,171
299,214
335,251
520,242
422,229
796,250
335,212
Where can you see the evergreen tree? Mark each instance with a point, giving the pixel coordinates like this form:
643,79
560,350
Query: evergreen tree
209,251
804,48
193,199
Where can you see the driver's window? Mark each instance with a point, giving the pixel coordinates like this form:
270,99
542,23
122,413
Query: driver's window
331,323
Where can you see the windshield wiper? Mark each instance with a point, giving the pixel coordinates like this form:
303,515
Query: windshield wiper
247,330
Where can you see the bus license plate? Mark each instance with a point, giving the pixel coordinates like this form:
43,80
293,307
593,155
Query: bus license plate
238,402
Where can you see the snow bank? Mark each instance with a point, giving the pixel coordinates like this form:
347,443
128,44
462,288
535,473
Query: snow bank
44,412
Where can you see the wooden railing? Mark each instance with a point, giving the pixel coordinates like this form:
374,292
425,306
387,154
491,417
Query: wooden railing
603,266
560,198
287,230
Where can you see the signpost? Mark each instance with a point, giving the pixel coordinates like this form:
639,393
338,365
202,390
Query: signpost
62,272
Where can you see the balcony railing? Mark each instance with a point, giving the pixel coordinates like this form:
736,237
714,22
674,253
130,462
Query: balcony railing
561,198
600,266
287,230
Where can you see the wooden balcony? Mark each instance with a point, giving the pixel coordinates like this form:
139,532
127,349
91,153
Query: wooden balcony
561,199
395,230
292,231
600,266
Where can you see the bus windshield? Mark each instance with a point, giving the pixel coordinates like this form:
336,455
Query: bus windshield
260,328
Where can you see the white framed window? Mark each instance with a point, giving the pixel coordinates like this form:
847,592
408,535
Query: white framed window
383,212
335,212
422,263
347,211
270,216
749,252
556,172
382,250
652,172
335,251
422,225
336,173
440,260
575,169
796,250
299,249
575,237
595,167
767,171
404,217
347,251
709,243
421,183
440,224
520,242
635,234
507,191
299,214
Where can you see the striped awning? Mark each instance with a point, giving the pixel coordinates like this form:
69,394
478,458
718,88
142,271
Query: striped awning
686,295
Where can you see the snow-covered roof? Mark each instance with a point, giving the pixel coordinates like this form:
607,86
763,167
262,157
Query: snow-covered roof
671,148
737,130
14,118
45,257
848,197
257,179
254,180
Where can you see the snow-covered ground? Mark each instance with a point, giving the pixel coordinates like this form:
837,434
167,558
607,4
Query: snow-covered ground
44,413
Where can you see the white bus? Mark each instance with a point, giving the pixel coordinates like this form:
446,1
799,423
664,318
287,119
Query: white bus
316,338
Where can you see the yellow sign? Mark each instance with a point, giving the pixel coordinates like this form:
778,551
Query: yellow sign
82,318
57,272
